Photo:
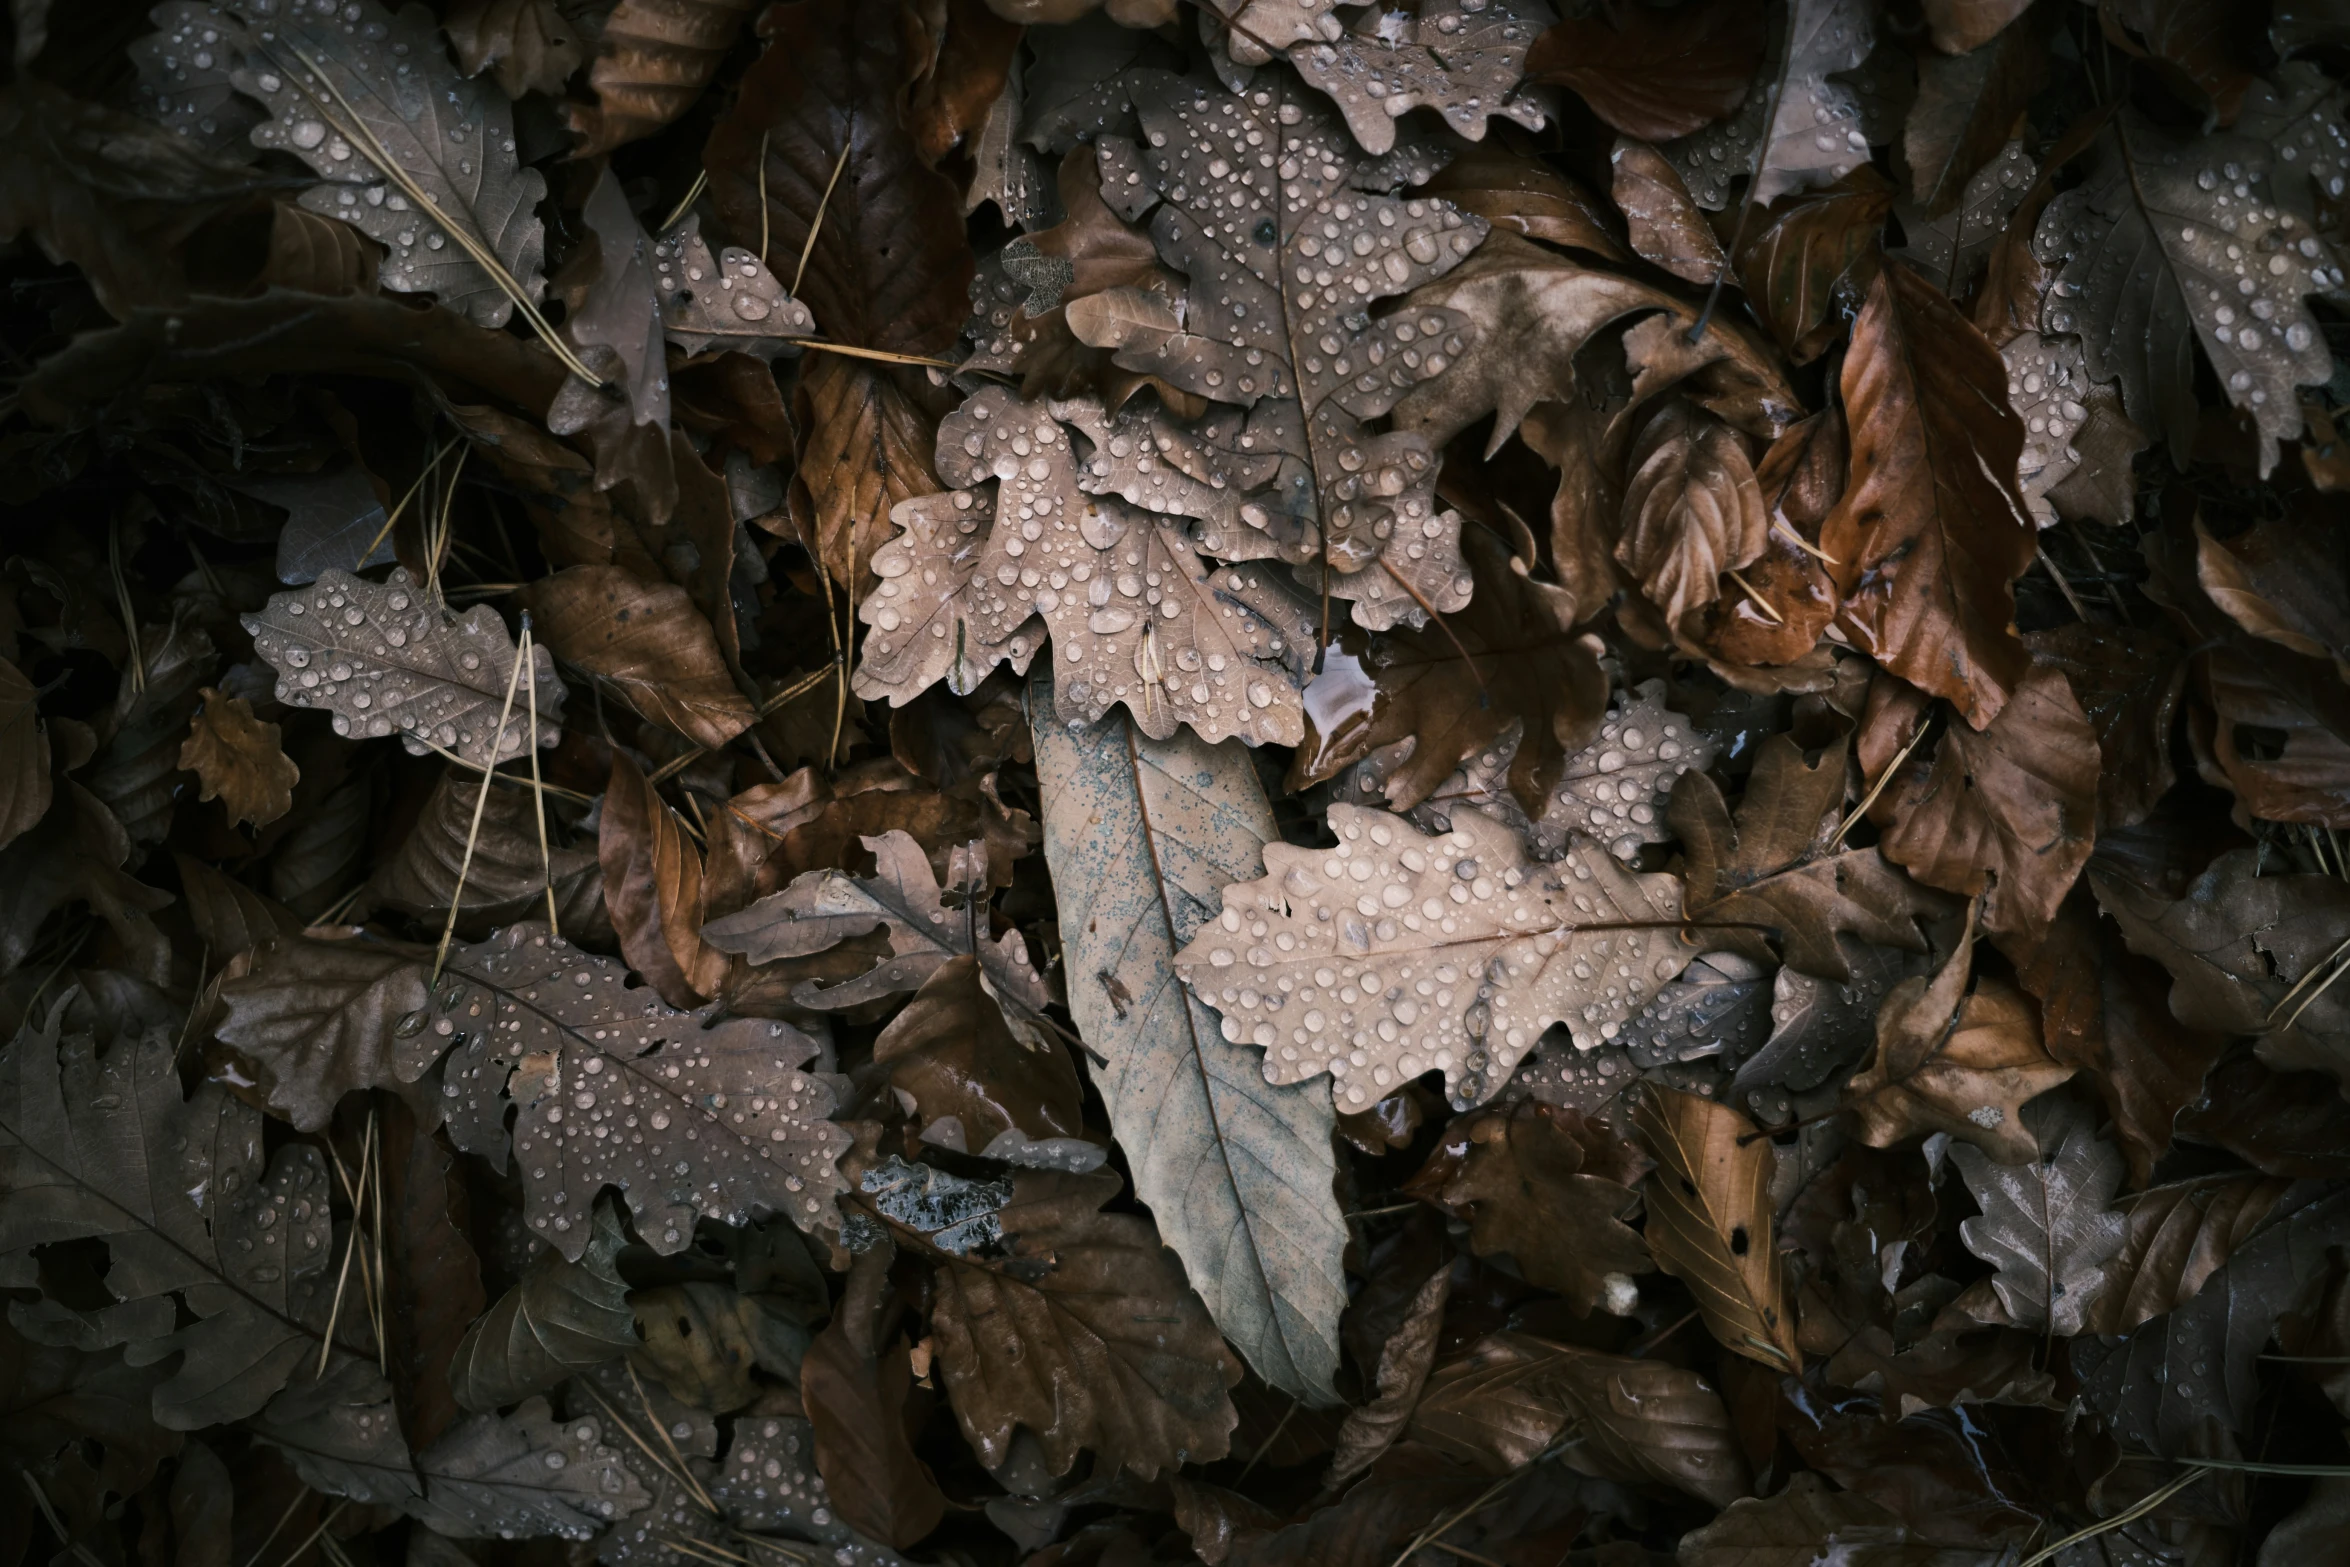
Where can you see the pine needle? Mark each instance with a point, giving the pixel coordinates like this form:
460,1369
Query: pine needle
850,351
1760,602
662,1432
1883,779
528,655
2128,1515
694,193
480,799
815,225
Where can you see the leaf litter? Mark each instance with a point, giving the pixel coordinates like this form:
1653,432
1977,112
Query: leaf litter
984,783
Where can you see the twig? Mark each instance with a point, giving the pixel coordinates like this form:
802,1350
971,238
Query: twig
815,224
1661,1334
391,521
823,346
2330,961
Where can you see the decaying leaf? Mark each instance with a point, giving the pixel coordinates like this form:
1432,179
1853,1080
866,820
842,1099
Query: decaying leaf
2047,1225
387,658
1807,1522
731,301
977,1085
1666,226
1814,135
2178,1236
1401,1374
565,1315
237,759
1654,71
1693,513
24,742
1958,1053
649,641
1711,1222
1463,58
1147,836
654,58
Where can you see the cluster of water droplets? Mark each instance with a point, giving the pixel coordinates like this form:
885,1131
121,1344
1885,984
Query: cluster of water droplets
389,659
1463,58
1394,953
2047,385
732,302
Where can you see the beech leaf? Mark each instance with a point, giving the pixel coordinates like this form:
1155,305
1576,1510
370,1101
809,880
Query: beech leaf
1710,1221
564,1316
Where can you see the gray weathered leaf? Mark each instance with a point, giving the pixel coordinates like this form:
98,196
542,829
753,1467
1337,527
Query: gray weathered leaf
1815,134
620,311
342,1435
1141,836
411,154
1464,60
334,520
731,302
616,1088
563,1316
197,102
2048,1226
926,926
389,659
2168,243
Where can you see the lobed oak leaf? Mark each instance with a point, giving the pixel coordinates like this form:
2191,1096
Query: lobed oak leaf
731,302
1466,59
236,758
1656,72
2048,1226
614,1088
388,658
653,58
178,1189
528,45
1199,174
1517,1175
1711,1224
1820,1025
1082,1333
1782,864
1959,1054
1814,134
1448,953
2143,256
1932,531
649,641
142,736
1946,1369
1957,247
1141,838
506,1476
618,311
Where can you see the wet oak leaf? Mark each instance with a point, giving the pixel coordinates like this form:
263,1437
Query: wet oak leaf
1083,1334
927,925
1814,135
952,1050
2150,262
1249,190
1517,1175
1656,72
1779,864
2048,1226
728,302
337,101
237,759
181,1193
1933,531
386,658
318,1019
649,641
499,1476
1960,1054
1711,1224
1142,837
1450,952
1465,59
609,1083
1139,618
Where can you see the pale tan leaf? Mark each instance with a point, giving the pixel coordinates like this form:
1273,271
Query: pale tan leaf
388,659
732,302
1450,953
1711,1223
237,759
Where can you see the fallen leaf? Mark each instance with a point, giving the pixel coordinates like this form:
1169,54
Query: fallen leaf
236,758
1960,1054
2191,39
2282,584
1517,1176
649,641
1781,865
1814,135
2048,1226
748,311
1238,1171
564,1316
1813,258
527,44
1693,513
1710,1221
1807,1522
2280,1123
654,889
1666,226
388,658
1957,26
317,1019
1400,1374
972,1079
505,875
2179,1235
1466,61
1966,107
1083,1334
24,739
1520,194
1933,531
2128,681
1655,72
654,57
854,1384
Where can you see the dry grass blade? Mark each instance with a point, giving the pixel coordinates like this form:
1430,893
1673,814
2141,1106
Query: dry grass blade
473,834
2127,1515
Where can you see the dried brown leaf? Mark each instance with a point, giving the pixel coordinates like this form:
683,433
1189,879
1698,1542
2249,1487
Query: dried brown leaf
854,1383
2179,1235
1656,72
1811,258
655,57
1666,226
1397,1379
529,45
2047,1225
1710,1221
653,886
1464,60
1692,510
972,1079
649,641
